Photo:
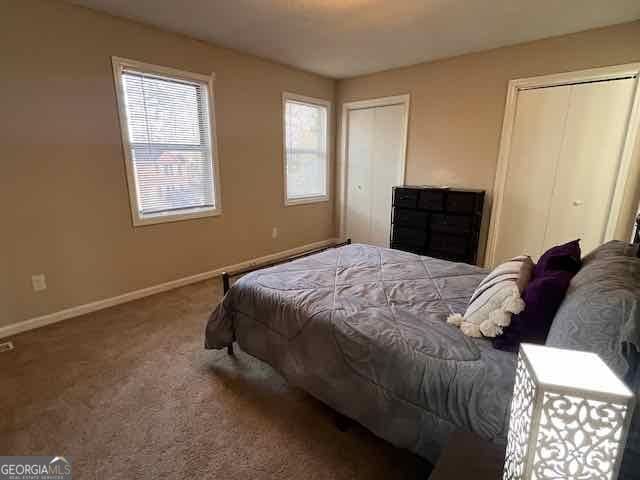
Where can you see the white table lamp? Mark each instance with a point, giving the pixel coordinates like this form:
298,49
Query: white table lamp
569,417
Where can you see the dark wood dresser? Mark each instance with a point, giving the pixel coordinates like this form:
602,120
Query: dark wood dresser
437,222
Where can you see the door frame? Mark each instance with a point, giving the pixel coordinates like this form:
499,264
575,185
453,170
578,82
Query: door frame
343,154
629,150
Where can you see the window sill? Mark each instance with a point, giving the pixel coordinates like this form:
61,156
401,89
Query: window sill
181,215
290,202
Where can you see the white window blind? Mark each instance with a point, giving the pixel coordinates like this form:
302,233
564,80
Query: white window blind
168,143
306,125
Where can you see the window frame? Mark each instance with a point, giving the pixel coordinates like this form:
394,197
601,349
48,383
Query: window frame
119,64
288,96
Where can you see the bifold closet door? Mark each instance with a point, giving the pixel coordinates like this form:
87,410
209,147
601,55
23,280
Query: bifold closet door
374,165
359,154
388,140
588,164
563,166
535,145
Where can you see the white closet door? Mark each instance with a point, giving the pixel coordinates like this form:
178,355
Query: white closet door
387,169
588,167
359,155
535,148
374,165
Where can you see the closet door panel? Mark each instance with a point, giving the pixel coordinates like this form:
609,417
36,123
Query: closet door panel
360,153
386,168
588,167
535,148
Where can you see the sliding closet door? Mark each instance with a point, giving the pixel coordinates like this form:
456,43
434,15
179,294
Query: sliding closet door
535,147
588,164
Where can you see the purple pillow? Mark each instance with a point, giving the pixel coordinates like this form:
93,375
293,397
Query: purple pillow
542,297
561,257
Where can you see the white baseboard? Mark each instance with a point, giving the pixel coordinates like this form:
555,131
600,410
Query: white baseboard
78,310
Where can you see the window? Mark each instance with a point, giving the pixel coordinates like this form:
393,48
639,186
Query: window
305,149
166,119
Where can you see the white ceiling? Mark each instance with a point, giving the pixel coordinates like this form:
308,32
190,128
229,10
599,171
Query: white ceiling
345,38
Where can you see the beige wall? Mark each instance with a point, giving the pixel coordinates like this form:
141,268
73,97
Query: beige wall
64,191
457,105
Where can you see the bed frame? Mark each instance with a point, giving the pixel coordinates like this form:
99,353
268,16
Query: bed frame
636,238
226,276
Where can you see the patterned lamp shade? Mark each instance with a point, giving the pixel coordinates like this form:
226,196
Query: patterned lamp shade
569,417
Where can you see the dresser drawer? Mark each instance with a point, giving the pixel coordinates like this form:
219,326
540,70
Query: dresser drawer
452,257
409,236
410,218
405,197
461,202
454,244
417,249
451,223
432,200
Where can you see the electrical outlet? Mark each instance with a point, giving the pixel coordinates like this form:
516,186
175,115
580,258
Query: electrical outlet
39,282
6,346
274,233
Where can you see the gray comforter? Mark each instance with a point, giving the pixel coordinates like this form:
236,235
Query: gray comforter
364,330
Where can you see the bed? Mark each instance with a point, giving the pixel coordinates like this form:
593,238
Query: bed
363,329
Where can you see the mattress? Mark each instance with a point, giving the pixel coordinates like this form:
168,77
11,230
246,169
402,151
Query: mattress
363,329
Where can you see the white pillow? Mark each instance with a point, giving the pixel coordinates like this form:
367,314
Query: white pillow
496,299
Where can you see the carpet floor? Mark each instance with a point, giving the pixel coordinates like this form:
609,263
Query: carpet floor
129,392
